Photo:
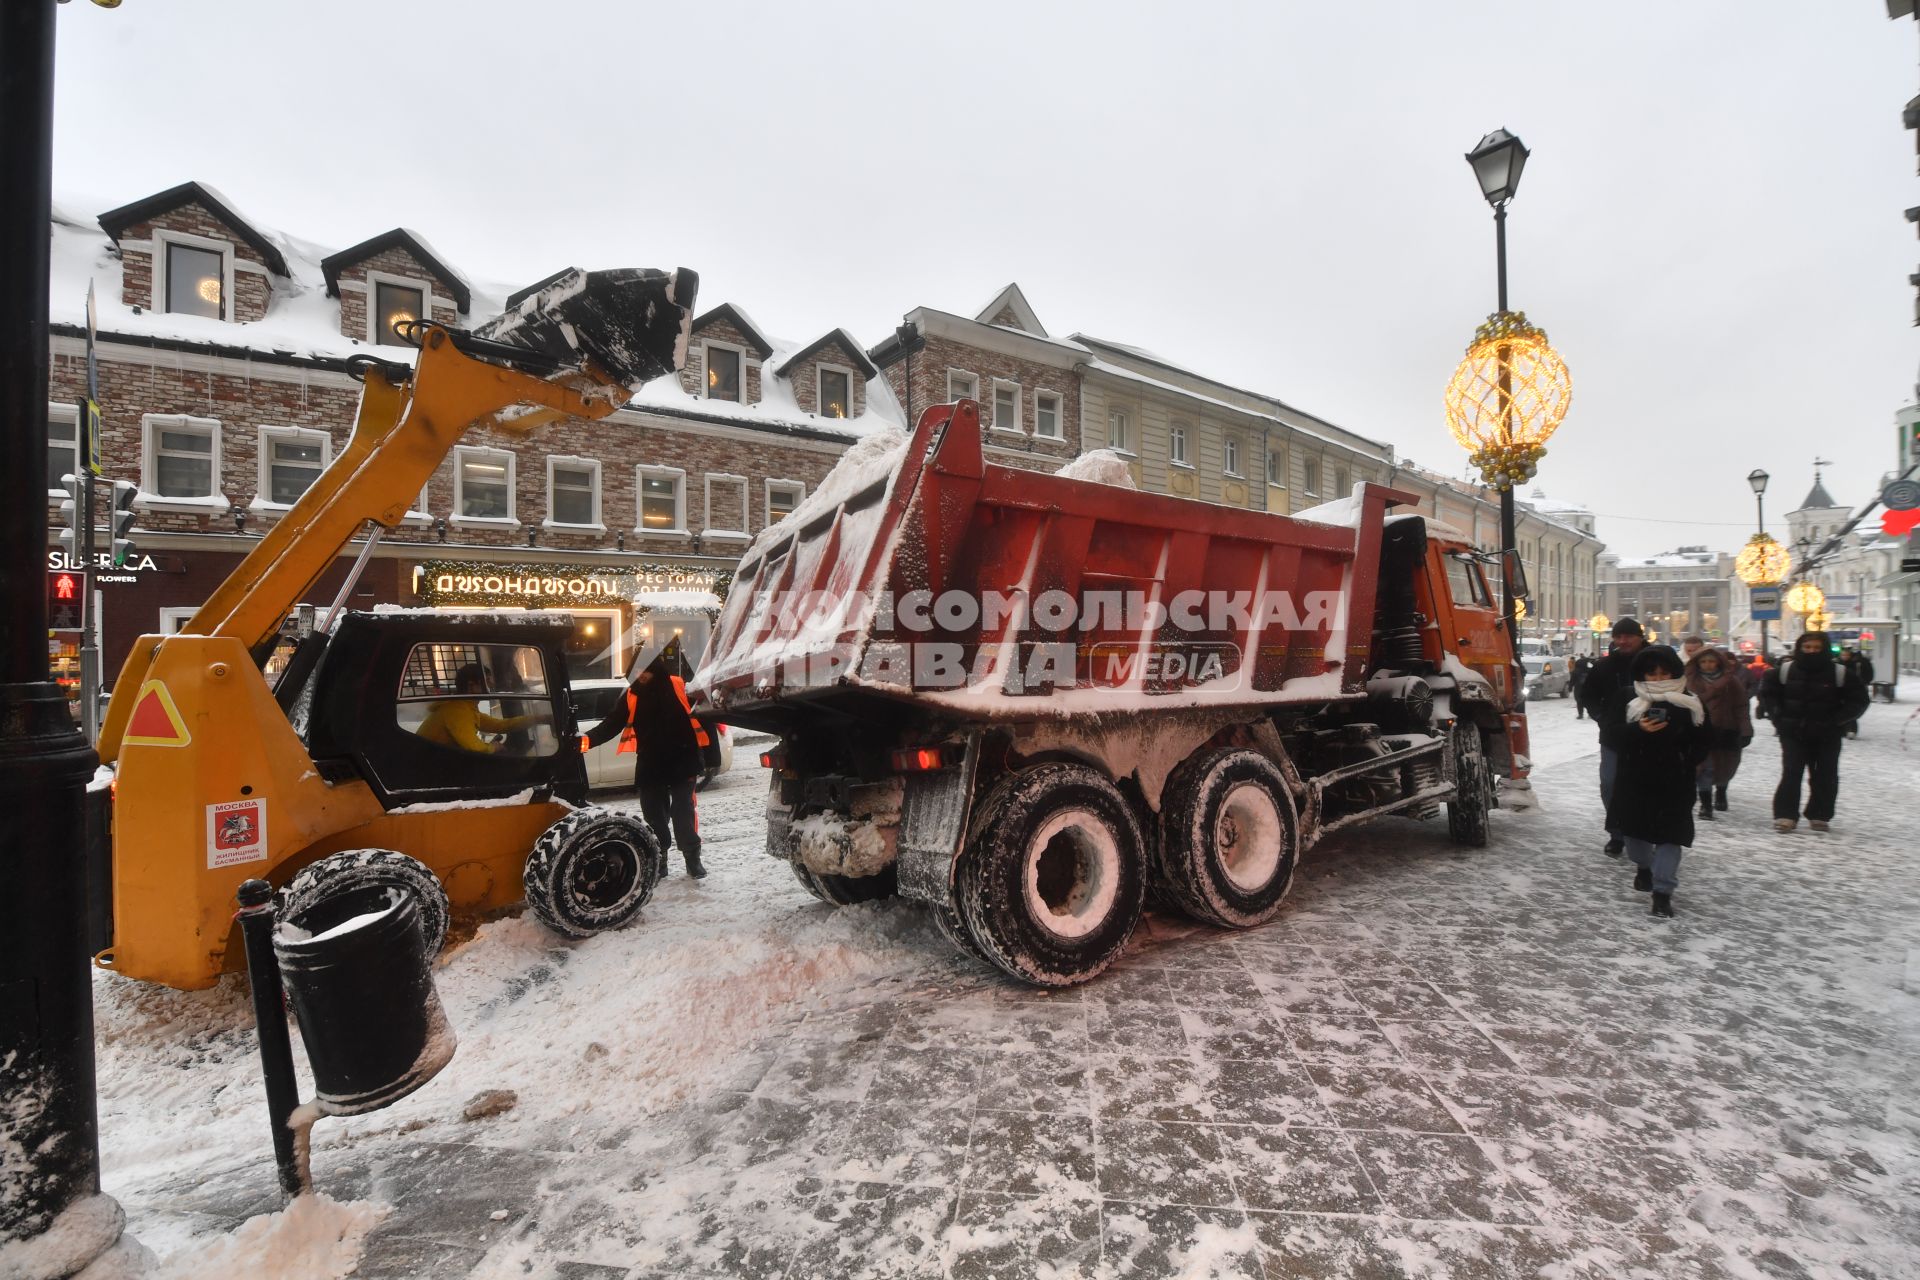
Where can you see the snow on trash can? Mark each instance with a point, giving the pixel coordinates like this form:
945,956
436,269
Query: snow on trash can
357,972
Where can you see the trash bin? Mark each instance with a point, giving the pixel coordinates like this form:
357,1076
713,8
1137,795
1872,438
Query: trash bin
357,973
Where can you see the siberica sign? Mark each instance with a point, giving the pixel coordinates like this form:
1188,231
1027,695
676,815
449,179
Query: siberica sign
61,561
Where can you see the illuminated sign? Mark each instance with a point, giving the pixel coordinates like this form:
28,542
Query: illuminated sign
444,582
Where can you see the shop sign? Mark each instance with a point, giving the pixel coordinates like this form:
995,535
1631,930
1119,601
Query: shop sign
104,568
441,582
529,587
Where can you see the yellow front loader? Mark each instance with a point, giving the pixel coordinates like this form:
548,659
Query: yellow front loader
434,751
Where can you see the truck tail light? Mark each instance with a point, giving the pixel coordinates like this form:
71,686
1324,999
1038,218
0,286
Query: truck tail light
774,759
919,759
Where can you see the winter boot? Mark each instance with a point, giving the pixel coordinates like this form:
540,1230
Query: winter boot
1663,905
1706,805
1817,824
1615,846
1785,824
1720,799
694,867
1643,879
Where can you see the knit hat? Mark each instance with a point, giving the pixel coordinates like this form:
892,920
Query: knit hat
1659,656
1629,627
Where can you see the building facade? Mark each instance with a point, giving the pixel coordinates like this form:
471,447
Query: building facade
1687,591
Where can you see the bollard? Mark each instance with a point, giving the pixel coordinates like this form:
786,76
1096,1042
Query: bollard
276,1047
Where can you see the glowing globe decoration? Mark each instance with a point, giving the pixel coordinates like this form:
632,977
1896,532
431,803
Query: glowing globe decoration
1506,399
1520,610
208,289
1600,624
1819,620
1804,597
1762,562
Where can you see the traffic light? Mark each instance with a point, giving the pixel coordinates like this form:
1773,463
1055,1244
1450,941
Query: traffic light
66,600
124,492
72,507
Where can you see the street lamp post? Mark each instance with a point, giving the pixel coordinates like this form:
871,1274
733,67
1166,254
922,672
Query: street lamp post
1758,480
1498,162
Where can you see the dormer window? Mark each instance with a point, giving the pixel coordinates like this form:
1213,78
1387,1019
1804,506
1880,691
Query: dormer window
723,373
836,392
196,279
395,304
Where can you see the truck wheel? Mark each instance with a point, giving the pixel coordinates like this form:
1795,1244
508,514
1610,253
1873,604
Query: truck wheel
844,891
368,868
592,871
1229,839
1473,786
1052,883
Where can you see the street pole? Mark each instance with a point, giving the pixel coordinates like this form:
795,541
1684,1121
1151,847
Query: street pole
47,1106
1509,536
1760,514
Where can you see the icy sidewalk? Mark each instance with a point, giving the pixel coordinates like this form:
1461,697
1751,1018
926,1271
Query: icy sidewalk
1436,1063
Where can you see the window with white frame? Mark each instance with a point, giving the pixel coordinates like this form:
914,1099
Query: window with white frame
63,444
726,369
962,385
1310,476
573,492
291,459
394,300
726,505
782,497
1177,444
1230,455
836,391
663,499
1276,467
483,484
1046,415
193,275
174,617
1006,406
182,456
1120,431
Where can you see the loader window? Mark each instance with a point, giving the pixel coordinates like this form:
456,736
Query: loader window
489,699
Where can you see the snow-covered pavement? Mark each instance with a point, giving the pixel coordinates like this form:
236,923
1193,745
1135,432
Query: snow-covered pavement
1437,1062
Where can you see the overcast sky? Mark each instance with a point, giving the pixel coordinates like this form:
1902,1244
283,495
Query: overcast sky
1710,229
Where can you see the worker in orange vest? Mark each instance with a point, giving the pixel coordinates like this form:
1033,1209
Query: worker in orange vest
656,723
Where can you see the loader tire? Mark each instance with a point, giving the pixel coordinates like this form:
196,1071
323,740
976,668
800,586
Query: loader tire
592,871
845,891
1229,838
1473,787
371,868
1052,882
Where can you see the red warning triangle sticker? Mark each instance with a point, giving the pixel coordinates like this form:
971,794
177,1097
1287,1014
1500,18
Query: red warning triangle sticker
155,721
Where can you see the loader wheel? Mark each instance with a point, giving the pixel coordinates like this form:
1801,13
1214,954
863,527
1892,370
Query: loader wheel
1473,786
592,871
844,891
1229,839
1052,883
339,873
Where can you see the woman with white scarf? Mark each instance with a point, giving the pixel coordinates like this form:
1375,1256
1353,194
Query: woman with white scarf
1661,733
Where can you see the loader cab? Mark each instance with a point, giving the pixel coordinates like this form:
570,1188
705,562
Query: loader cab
437,708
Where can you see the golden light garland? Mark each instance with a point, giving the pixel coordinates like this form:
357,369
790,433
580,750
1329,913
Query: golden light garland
1762,562
1804,597
1600,622
1507,398
1520,610
1819,620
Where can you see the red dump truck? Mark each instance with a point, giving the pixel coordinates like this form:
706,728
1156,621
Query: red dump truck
1034,702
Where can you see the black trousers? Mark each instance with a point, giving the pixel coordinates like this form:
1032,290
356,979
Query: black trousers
670,811
1820,759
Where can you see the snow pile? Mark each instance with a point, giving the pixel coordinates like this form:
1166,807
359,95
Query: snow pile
830,845
1102,466
314,1238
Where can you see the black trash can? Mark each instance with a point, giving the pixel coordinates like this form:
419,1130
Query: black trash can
357,973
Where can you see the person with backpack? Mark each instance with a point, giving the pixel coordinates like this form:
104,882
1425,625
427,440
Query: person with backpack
1713,677
1811,699
1578,677
1606,677
1659,733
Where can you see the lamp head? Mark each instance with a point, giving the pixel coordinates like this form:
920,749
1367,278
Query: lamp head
1497,161
1757,481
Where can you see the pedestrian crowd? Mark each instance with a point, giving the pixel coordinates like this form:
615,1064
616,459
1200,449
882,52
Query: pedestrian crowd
1674,725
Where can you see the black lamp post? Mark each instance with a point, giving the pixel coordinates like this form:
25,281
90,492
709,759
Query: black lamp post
1757,480
1498,160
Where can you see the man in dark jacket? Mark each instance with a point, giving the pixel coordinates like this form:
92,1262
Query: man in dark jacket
1811,699
655,721
1605,677
1577,678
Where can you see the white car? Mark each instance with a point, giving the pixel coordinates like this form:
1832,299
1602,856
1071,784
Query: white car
607,765
1548,676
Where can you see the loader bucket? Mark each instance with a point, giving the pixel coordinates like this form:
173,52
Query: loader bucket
632,322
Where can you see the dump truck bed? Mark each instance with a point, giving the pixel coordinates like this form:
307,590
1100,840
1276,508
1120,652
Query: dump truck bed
920,572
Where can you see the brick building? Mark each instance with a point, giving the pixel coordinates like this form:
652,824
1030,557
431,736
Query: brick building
225,390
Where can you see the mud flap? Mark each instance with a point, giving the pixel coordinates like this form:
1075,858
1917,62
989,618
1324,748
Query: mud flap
632,322
933,826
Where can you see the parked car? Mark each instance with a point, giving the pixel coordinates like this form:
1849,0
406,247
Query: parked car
607,765
1547,677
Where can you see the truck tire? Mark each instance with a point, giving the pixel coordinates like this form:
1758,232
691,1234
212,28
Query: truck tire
1473,786
592,871
844,891
1229,838
1052,883
365,868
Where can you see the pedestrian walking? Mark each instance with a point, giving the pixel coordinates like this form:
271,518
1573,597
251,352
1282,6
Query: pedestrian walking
656,722
1712,677
1859,668
1810,699
1691,647
1660,734
1578,677
1609,674
1754,673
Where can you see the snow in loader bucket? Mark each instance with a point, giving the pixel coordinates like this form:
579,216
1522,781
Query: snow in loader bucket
632,322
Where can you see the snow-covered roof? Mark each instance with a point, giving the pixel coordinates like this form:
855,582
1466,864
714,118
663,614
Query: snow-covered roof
114,221
1023,311
401,238
763,346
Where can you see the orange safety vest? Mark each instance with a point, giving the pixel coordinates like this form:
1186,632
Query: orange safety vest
630,743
